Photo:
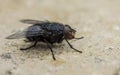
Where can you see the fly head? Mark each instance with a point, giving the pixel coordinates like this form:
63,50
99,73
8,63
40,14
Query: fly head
69,32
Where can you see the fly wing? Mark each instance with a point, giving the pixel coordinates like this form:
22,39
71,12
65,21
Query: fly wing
27,33
30,21
17,35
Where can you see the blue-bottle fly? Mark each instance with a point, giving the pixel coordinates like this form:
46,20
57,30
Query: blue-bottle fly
47,32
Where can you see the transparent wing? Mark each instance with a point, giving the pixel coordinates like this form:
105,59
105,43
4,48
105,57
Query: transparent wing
30,21
26,33
17,35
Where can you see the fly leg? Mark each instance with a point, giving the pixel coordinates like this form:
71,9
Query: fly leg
79,38
53,56
29,46
73,47
26,41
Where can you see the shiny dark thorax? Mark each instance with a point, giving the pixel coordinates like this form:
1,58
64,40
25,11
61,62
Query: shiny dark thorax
52,32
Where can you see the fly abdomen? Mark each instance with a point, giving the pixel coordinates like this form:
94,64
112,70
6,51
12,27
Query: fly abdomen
34,30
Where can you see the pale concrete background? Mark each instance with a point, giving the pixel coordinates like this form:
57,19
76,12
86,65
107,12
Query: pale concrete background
97,20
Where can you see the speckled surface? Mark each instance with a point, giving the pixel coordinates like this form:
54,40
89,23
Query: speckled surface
97,20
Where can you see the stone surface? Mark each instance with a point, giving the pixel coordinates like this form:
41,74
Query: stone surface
97,20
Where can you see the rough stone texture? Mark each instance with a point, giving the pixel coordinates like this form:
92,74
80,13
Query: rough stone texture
97,20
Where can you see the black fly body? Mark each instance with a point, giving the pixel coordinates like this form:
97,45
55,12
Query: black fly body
47,32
